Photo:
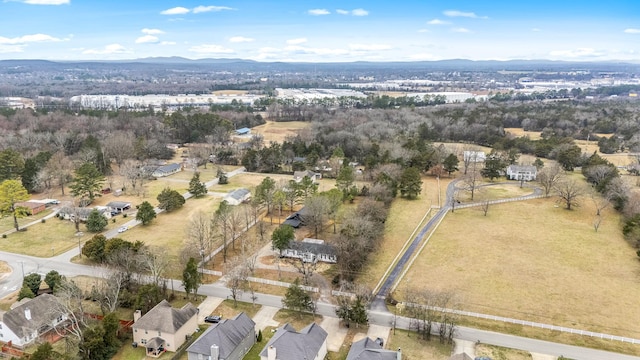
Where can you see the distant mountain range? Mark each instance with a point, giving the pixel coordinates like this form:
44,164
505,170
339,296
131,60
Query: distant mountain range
449,65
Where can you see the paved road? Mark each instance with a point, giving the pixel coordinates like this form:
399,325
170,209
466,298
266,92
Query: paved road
378,303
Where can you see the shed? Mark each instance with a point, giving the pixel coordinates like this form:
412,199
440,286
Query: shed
167,170
237,196
243,131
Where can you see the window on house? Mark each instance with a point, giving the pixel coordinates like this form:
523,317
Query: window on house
143,341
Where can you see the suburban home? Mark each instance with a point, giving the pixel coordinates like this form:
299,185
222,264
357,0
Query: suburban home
474,156
296,219
299,175
166,170
32,207
230,339
522,172
30,319
243,131
164,328
119,206
70,213
367,349
238,196
288,344
311,251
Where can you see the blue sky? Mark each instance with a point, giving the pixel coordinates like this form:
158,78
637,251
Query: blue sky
328,31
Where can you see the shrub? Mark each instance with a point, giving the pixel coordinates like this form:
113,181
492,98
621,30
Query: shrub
43,221
124,215
4,236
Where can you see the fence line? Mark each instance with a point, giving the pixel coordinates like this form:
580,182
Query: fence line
264,281
501,201
531,323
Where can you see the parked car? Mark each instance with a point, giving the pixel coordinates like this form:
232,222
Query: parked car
214,319
123,229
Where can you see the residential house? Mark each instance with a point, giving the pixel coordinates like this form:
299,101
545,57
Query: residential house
230,339
119,206
238,196
522,172
70,213
367,349
33,207
164,328
311,251
474,156
296,219
299,175
166,170
30,319
309,343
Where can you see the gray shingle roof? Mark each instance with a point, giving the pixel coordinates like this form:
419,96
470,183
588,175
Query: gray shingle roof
227,334
165,318
168,168
367,349
518,168
239,194
292,345
311,247
41,309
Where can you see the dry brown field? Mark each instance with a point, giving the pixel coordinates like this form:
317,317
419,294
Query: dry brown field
534,260
278,131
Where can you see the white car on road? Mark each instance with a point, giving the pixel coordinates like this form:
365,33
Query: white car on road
123,229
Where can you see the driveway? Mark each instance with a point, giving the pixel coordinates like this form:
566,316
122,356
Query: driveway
465,346
207,306
379,331
336,333
264,317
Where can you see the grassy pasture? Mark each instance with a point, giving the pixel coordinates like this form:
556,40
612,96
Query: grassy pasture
278,131
535,261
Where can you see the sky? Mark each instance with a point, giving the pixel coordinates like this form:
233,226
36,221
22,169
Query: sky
321,31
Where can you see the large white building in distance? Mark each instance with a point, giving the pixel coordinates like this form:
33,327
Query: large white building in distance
158,101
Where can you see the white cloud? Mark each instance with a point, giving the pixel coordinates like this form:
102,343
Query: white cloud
147,39
577,53
201,9
632,31
109,49
457,13
369,47
342,12
47,2
179,10
319,12
438,22
359,12
461,30
423,30
210,49
167,43
536,30
152,31
240,39
28,39
297,41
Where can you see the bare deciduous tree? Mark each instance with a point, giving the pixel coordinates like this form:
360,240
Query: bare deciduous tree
201,234
569,191
548,177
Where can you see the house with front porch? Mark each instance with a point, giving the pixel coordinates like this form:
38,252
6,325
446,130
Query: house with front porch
164,328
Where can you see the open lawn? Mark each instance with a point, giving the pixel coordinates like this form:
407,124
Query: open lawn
228,310
6,222
413,347
500,189
404,217
279,131
297,319
501,353
45,240
534,260
169,230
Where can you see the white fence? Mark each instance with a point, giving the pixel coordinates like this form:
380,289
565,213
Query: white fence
535,324
521,198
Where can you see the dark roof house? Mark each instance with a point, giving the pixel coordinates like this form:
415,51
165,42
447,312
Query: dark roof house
26,322
230,339
367,349
296,219
288,344
311,251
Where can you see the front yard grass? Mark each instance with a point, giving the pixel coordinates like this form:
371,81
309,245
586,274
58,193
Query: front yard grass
44,239
6,222
298,320
413,347
536,261
227,309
